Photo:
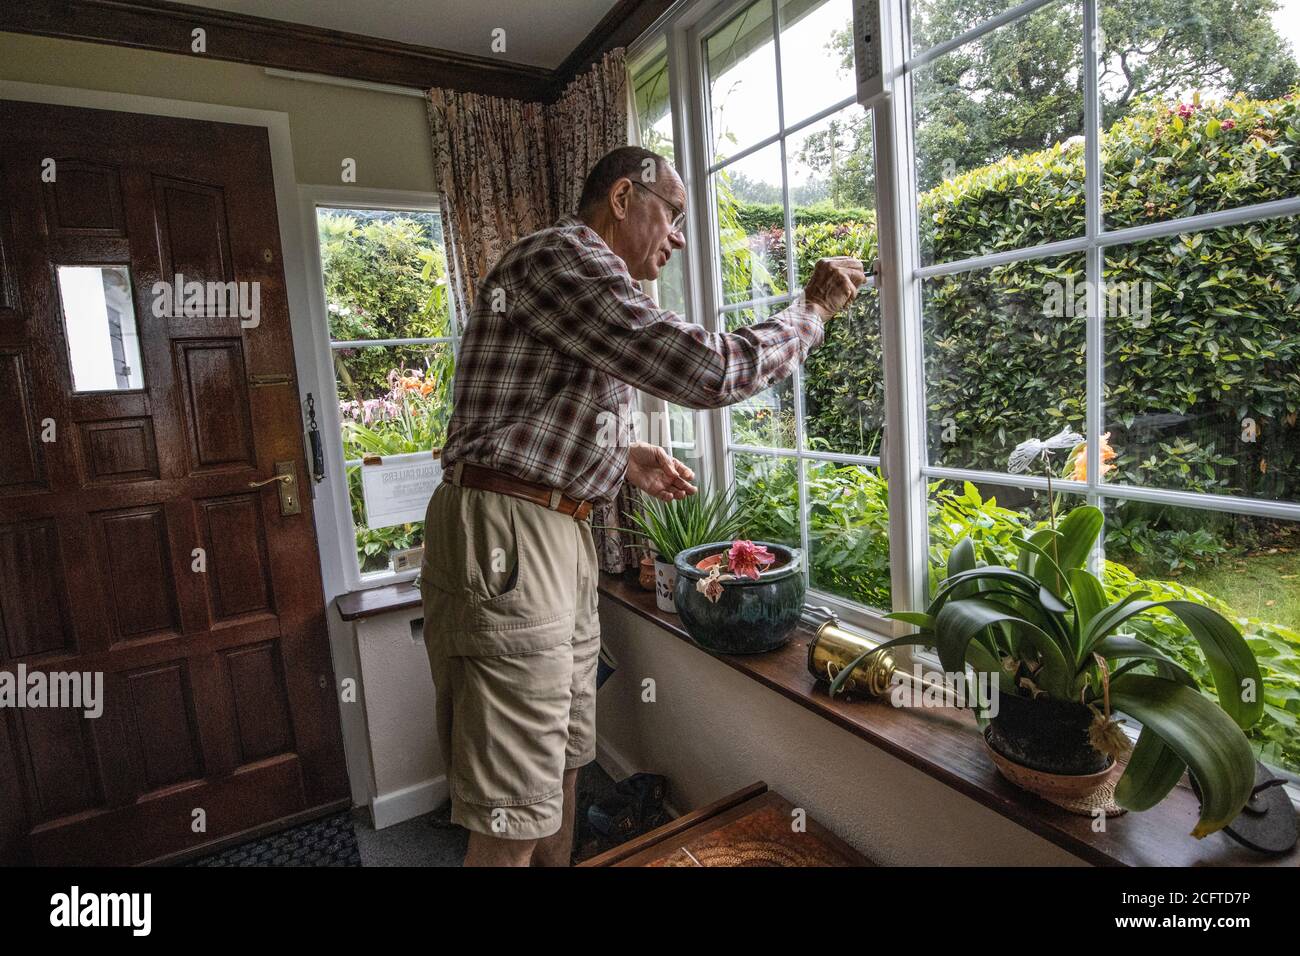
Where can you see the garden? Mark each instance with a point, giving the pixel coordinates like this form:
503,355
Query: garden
385,278
1201,393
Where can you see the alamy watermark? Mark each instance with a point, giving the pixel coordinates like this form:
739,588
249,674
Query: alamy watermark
1110,299
195,300
79,690
919,689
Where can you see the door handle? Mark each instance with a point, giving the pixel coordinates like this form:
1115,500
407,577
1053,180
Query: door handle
286,482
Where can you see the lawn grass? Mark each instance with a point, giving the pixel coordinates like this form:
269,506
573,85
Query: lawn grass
1261,585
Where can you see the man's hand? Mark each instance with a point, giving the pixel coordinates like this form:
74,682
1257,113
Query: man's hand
834,284
658,473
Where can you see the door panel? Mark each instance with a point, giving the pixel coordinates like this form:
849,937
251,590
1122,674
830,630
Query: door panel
133,545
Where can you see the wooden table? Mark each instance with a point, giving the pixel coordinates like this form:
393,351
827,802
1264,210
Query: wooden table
751,827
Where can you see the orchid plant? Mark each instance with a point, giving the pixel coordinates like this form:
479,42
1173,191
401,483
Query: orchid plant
1044,628
744,559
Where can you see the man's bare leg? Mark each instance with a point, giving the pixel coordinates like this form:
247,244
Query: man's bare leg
487,850
557,849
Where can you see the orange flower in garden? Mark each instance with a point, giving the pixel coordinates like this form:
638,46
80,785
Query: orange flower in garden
1108,454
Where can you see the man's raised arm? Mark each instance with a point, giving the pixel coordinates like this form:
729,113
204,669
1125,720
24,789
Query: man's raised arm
578,299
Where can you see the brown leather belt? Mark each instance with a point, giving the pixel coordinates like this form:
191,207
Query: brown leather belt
469,475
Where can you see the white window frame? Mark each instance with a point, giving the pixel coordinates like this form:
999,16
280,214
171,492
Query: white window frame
904,457
332,492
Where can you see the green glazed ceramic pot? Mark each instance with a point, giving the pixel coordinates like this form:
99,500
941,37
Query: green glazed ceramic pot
751,616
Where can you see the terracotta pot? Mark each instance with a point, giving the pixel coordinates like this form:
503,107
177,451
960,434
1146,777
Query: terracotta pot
647,578
1076,792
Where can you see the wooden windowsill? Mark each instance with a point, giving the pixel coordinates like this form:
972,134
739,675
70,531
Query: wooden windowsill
945,744
356,605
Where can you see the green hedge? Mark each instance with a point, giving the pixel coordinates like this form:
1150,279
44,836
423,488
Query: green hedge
1220,344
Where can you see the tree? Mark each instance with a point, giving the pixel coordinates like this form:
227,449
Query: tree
1020,87
385,278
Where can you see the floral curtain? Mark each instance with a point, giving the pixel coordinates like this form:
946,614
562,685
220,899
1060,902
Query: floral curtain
506,168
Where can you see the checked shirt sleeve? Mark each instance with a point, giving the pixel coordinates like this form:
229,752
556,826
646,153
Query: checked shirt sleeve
578,298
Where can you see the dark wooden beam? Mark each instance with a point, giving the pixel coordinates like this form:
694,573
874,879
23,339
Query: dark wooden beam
626,21
166,27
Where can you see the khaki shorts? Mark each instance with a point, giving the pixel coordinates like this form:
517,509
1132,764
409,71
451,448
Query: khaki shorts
512,634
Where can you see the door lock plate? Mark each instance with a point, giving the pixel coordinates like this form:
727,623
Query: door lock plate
290,503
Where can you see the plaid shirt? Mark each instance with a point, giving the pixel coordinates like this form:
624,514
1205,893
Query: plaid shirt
558,333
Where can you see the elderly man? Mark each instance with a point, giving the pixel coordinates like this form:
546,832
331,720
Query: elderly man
559,334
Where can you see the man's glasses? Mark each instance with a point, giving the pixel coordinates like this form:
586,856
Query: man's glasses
679,217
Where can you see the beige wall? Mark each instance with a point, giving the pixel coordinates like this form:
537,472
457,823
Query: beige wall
387,134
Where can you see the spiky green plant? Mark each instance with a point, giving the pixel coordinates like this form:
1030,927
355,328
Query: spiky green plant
673,526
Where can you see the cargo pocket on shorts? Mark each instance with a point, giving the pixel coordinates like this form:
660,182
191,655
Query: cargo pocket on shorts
514,606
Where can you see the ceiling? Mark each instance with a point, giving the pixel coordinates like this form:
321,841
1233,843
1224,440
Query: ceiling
537,32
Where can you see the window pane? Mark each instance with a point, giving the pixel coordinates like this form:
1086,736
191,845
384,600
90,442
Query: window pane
816,56
1203,361
393,400
685,444
99,326
999,139
844,383
1004,360
991,516
832,186
767,419
751,226
848,532
1196,107
741,67
653,106
1242,566
831,170
938,21
385,274
769,488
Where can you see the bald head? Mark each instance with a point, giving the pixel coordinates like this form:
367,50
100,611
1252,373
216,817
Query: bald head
631,197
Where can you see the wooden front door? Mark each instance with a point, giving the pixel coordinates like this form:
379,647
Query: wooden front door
134,543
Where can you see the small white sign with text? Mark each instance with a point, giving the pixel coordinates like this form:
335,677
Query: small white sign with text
397,491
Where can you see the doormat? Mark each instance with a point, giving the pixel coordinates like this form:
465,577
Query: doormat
330,841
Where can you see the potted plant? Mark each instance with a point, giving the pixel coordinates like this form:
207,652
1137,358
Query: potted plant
1044,633
671,527
739,597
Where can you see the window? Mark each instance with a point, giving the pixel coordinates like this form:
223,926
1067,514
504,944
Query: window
790,178
1090,213
99,324
654,111
392,352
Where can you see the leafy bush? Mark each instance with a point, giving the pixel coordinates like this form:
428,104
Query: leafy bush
1217,348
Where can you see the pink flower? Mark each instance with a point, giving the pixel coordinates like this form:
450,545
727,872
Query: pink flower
1186,109
1229,124
746,558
